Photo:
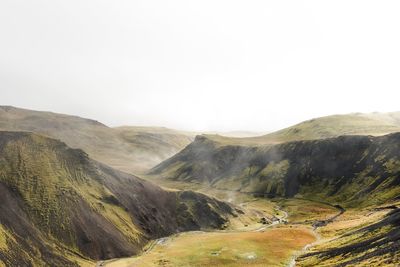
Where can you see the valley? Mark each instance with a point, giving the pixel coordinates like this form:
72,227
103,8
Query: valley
291,227
74,192
277,252
199,133
245,242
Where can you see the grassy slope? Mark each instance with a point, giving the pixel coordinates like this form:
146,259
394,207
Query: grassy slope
306,212
60,208
131,149
336,125
324,127
359,238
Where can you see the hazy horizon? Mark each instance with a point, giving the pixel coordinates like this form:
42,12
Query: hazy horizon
233,132
211,66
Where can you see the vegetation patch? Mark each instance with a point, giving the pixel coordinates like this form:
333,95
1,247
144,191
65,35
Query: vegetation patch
3,238
226,249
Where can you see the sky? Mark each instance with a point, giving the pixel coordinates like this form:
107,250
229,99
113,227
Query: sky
201,65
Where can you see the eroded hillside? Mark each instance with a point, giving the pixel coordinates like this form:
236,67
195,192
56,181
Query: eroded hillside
60,208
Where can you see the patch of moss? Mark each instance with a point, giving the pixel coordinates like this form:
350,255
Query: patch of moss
269,180
95,194
392,166
273,169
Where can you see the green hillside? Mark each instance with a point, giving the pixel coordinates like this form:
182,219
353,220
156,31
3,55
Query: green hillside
372,244
60,208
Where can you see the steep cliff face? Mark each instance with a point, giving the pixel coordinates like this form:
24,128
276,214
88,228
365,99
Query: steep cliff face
59,208
351,169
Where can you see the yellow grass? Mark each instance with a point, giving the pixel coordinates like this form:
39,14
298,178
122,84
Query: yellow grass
274,247
349,221
306,211
3,238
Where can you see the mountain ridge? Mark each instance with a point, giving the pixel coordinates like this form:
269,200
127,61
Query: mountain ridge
323,127
287,169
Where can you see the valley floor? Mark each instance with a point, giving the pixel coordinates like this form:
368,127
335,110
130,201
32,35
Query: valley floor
247,242
278,232
272,247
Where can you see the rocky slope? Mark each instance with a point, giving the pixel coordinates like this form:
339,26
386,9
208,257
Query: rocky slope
349,169
58,207
131,149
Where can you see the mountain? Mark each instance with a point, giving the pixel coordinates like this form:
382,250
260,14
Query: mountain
58,207
336,125
324,127
346,169
351,162
130,149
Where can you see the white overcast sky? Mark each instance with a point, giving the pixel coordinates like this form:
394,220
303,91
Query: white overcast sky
201,65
